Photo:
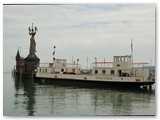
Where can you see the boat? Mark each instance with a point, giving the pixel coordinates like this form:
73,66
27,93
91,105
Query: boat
121,72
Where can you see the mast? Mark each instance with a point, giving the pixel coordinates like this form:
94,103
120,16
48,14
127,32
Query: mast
132,52
95,61
87,62
54,52
131,56
54,59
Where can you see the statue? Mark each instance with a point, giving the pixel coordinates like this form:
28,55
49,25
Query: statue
32,32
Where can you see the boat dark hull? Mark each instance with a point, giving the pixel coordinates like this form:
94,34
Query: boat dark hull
97,84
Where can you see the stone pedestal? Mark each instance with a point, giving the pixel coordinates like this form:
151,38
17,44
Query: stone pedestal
31,64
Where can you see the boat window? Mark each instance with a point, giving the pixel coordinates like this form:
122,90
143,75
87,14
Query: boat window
120,72
118,65
96,71
112,72
39,70
103,71
73,70
46,70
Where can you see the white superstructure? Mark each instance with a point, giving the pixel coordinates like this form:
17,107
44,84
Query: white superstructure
120,71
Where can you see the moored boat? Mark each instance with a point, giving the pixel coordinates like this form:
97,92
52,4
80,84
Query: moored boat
121,72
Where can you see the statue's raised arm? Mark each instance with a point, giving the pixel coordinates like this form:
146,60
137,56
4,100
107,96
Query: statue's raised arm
32,31
36,28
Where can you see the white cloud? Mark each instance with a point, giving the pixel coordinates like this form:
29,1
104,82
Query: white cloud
101,30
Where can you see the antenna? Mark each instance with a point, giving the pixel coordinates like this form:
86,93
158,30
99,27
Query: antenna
87,62
131,56
104,62
151,62
132,51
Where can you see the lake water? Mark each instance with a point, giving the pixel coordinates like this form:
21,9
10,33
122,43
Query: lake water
28,98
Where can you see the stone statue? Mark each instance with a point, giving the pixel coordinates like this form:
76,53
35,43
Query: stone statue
32,32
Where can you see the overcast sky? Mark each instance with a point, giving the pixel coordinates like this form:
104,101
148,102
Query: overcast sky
80,31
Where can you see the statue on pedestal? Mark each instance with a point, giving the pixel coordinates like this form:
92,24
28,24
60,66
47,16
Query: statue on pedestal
32,32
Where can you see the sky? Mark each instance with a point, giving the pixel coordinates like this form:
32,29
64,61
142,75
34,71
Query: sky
79,31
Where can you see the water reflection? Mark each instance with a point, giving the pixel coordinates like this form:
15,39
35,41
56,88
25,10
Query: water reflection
25,93
36,99
120,102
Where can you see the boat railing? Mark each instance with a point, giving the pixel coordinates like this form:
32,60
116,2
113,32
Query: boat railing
73,65
141,64
46,65
102,65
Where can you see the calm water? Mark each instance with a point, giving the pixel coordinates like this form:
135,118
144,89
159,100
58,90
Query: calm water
23,98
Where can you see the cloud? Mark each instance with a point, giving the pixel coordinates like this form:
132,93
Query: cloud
82,30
